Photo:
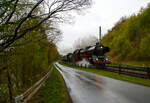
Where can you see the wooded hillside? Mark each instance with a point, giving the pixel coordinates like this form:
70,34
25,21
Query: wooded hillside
129,39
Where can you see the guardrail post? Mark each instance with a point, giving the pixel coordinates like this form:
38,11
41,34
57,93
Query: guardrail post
148,72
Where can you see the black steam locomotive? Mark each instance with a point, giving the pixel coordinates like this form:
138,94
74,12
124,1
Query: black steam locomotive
91,55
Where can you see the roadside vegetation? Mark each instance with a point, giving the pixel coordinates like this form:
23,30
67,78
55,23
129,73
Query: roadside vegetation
25,65
54,90
129,39
123,77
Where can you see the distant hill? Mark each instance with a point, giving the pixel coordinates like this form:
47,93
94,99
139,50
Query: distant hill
129,39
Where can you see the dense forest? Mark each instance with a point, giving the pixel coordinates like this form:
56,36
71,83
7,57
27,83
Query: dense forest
129,39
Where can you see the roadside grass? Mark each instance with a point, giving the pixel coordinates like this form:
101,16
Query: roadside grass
123,77
54,90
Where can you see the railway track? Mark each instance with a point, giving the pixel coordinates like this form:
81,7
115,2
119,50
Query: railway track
137,72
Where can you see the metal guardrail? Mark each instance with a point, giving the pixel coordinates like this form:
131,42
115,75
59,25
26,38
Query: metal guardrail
23,98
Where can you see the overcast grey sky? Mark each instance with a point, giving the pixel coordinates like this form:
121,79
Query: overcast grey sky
103,13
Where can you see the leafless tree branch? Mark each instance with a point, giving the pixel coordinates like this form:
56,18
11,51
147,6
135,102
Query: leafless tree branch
55,9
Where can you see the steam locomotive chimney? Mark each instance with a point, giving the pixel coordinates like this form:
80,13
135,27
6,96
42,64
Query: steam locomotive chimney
100,38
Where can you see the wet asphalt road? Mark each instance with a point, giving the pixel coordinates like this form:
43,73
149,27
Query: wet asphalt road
85,87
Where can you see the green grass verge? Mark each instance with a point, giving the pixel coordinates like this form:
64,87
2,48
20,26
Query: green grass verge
54,90
123,77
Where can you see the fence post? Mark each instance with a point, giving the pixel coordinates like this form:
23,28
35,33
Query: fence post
119,69
148,72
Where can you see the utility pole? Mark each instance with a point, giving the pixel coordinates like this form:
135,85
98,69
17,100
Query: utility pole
100,35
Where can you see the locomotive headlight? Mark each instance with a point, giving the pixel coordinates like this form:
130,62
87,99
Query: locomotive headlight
96,59
101,47
106,59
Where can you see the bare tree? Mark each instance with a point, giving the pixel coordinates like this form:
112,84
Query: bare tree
15,13
85,41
